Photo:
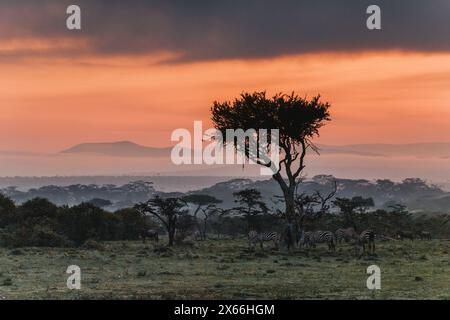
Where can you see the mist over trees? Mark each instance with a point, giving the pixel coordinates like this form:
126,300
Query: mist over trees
416,194
119,196
39,222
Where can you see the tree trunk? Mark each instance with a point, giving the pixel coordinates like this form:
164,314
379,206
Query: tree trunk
204,229
290,217
290,206
289,202
171,235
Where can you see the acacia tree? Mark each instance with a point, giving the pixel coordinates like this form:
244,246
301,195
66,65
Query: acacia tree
353,209
298,121
250,205
209,212
203,203
200,201
167,211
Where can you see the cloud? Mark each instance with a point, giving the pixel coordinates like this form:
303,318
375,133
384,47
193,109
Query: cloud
227,29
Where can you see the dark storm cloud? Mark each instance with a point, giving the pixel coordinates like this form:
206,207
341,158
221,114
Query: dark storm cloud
210,30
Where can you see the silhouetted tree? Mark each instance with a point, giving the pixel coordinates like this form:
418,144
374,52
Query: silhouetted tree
204,203
200,201
351,209
167,211
298,121
209,212
250,205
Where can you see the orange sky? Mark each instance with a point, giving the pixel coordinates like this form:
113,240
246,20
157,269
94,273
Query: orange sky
48,105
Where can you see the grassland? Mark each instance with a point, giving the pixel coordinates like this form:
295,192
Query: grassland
225,269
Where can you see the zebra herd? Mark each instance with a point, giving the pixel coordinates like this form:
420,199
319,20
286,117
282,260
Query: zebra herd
365,241
309,239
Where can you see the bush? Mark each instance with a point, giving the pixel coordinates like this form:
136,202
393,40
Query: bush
38,236
132,223
46,237
85,221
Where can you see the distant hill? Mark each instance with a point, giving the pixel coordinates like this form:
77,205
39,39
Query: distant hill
419,150
119,149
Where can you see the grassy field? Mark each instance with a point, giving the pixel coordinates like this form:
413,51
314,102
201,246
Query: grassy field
226,270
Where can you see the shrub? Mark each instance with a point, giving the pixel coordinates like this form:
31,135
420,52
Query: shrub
85,221
37,236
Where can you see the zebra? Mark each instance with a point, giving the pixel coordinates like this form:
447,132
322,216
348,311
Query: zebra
151,234
255,237
325,237
345,234
367,237
305,238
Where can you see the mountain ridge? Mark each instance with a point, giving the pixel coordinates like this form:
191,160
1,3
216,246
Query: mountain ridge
131,149
118,148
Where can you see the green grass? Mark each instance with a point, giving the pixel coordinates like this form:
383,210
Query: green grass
226,270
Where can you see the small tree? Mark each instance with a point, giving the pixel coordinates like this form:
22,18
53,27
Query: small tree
204,203
352,209
167,211
220,222
250,205
209,212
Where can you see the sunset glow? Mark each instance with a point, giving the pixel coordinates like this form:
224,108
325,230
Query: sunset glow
376,97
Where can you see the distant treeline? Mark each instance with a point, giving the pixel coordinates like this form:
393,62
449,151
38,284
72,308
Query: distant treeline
119,196
416,194
38,222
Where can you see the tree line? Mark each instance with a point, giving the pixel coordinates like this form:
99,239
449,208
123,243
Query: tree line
38,222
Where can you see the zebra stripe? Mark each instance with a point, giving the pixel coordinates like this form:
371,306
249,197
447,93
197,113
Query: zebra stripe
255,237
306,239
325,237
367,237
345,234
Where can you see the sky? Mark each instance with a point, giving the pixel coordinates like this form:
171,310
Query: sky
140,69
